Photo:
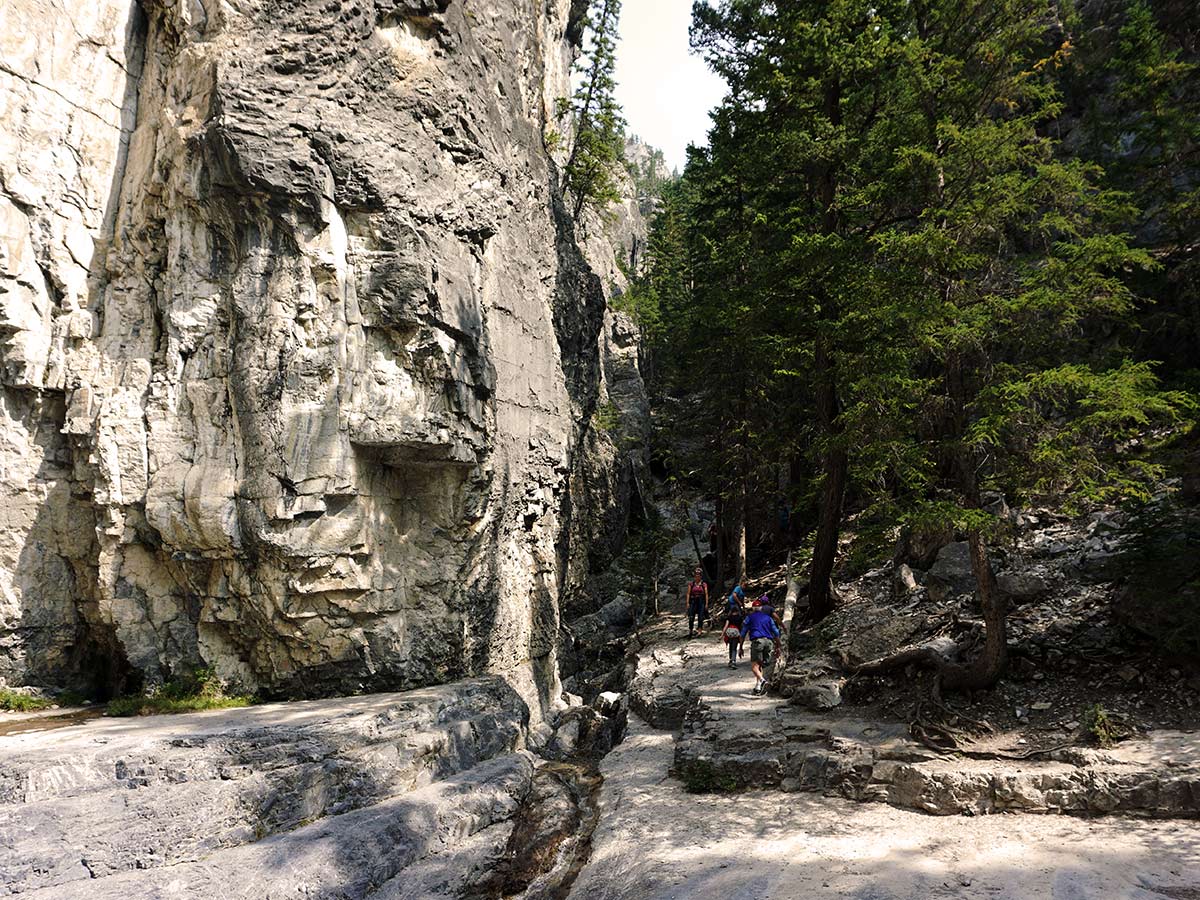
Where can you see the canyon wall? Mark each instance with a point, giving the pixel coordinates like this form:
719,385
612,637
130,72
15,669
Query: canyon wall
302,357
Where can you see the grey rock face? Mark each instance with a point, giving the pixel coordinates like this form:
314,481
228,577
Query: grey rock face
300,353
124,796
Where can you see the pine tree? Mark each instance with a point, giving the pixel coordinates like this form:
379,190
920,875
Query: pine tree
921,253
590,172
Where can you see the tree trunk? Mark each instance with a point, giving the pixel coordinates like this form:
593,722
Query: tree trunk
834,464
793,611
985,670
720,547
740,543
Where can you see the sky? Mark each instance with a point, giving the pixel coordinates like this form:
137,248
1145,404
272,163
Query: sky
665,91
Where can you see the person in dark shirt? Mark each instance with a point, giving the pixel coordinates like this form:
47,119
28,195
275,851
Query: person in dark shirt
764,635
764,603
731,632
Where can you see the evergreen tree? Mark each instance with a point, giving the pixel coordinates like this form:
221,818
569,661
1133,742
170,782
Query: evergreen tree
1132,82
590,172
885,216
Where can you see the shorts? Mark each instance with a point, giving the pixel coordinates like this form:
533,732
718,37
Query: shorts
761,650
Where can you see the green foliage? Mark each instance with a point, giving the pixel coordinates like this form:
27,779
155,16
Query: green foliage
15,701
1076,426
72,698
1161,567
196,690
871,542
591,169
1132,81
662,292
607,417
1102,726
885,213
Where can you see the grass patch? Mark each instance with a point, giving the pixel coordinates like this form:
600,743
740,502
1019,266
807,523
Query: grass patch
199,689
14,701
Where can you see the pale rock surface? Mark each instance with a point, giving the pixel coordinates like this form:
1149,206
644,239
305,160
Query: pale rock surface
656,841
732,740
133,796
300,356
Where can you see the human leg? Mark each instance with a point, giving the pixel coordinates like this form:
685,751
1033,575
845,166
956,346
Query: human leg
760,658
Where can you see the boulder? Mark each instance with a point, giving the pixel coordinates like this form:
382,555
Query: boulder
919,546
951,575
818,695
1023,585
904,581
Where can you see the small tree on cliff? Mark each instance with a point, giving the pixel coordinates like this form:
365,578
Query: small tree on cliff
590,172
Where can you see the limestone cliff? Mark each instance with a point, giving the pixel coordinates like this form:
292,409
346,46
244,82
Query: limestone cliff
301,355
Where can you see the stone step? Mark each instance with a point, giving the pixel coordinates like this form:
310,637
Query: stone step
163,790
781,748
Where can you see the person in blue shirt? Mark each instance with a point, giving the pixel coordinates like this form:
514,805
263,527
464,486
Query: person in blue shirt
764,635
736,598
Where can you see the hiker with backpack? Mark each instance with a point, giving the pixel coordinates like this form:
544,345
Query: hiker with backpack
737,597
697,602
731,632
764,637
764,604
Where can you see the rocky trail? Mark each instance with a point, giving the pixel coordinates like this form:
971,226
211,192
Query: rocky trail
450,792
658,839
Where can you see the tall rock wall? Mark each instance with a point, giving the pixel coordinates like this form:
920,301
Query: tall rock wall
301,356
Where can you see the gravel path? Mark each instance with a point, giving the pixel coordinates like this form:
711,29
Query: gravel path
655,841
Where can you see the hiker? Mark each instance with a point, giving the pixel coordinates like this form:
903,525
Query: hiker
697,602
764,604
731,632
764,635
737,597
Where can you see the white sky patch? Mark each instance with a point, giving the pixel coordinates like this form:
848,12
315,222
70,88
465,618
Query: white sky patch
665,91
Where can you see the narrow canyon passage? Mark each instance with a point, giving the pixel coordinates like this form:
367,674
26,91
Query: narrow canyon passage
380,385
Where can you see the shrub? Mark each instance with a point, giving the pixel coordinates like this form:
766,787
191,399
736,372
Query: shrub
198,689
15,701
1103,727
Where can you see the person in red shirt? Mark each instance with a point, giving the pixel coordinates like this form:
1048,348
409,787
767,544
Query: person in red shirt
697,603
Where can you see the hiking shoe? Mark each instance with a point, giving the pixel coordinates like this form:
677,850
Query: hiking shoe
756,691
